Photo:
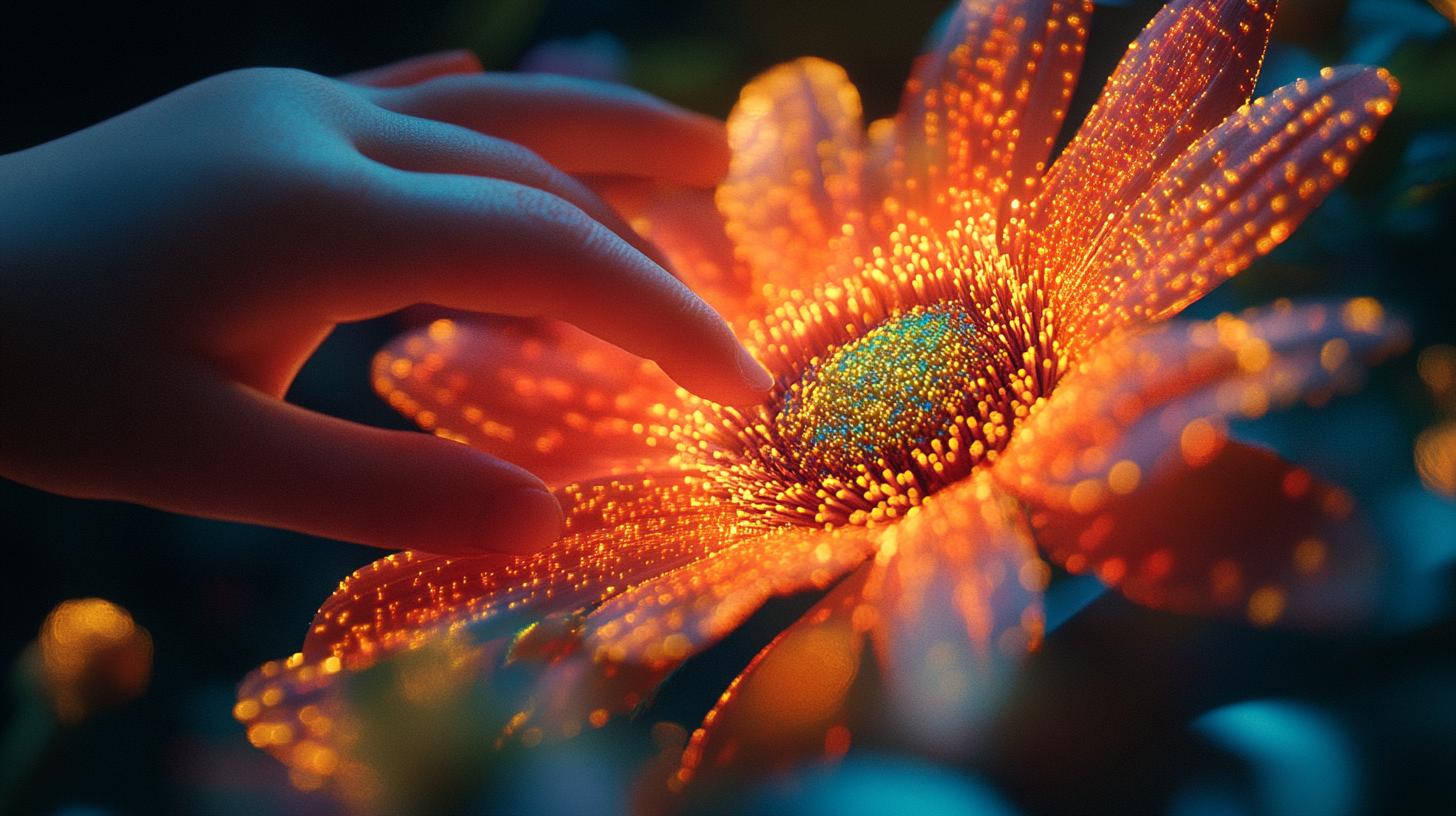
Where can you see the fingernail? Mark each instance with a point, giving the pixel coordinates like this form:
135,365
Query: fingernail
521,520
755,376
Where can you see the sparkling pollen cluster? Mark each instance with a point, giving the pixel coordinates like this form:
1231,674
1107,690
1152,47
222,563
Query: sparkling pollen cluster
897,388
975,368
895,384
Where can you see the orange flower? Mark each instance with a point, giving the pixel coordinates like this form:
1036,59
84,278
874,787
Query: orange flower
973,362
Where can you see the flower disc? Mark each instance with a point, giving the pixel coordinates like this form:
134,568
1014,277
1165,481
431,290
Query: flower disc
887,393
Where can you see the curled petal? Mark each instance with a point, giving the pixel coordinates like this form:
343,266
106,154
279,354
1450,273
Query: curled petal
1193,65
957,599
792,199
982,110
1238,192
545,396
664,620
791,702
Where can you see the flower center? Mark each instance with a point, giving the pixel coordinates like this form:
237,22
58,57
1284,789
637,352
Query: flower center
892,384
890,392
881,417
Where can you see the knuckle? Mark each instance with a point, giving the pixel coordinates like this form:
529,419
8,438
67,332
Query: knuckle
269,79
264,91
554,217
531,168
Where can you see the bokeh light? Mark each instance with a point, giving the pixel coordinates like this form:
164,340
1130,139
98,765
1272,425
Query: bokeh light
93,656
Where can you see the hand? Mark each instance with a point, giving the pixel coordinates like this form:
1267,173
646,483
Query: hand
167,272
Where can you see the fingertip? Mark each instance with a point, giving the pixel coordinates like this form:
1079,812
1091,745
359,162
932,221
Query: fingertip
716,154
512,520
713,365
520,521
740,380
714,130
458,501
461,61
754,375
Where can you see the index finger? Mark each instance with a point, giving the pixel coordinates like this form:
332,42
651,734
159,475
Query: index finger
490,245
581,126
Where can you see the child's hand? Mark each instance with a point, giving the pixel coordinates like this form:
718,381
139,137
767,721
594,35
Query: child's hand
167,272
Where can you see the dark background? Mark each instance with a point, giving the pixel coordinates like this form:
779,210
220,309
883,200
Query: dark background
219,598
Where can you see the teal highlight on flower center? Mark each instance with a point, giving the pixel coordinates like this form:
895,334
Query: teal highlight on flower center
888,392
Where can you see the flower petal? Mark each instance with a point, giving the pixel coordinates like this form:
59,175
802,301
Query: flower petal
1144,414
1145,396
686,225
957,589
545,396
794,181
982,110
634,640
618,531
1238,193
664,620
415,609
791,702
564,690
380,736
1190,68
1243,533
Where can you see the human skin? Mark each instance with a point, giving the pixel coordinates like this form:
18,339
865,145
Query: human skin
167,272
